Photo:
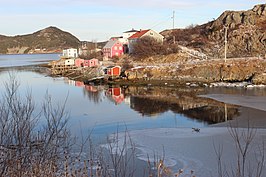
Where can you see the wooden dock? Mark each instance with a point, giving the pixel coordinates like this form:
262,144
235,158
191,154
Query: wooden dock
62,69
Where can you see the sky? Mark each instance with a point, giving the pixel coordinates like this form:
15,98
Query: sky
98,20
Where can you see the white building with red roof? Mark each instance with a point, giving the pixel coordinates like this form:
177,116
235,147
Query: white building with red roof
128,34
143,33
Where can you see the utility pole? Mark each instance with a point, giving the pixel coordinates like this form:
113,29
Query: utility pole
225,43
225,113
173,17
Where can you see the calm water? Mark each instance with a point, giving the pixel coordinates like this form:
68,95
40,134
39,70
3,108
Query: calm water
26,59
105,109
99,107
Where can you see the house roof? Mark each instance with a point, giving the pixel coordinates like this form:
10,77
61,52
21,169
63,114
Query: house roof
108,67
138,34
111,43
116,37
131,31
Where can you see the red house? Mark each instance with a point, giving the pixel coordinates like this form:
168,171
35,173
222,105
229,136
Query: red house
113,70
79,62
91,63
113,48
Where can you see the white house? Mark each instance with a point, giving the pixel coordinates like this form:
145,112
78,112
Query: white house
69,62
70,53
129,33
143,33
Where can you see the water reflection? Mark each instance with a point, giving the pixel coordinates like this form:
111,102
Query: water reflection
153,101
191,106
93,93
115,94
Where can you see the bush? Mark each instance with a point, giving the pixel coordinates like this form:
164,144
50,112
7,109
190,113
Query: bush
148,46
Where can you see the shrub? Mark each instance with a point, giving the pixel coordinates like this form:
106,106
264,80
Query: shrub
148,46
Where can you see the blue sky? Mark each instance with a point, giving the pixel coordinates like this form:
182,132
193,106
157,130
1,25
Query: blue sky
100,19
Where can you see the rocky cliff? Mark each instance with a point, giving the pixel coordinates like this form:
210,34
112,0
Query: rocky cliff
246,34
50,39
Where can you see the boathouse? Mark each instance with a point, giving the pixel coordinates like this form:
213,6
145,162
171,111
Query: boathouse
113,70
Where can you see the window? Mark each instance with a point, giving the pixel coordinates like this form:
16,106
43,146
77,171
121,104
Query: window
115,47
120,48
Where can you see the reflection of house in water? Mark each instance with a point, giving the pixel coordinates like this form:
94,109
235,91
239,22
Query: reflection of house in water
69,82
115,94
79,84
93,93
91,88
127,100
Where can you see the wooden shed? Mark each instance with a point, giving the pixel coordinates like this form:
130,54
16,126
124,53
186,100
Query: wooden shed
113,70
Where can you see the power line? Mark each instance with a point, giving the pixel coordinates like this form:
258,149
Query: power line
165,19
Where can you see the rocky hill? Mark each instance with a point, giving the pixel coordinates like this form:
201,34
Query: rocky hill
50,39
246,34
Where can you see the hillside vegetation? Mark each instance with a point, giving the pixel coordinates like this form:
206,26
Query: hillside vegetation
50,39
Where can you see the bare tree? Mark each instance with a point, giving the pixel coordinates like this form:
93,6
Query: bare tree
243,139
26,148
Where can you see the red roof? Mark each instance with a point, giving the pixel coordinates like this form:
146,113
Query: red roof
138,34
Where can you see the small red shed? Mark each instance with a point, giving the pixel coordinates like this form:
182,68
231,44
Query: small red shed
79,62
113,70
91,63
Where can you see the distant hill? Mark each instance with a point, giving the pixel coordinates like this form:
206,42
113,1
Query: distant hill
246,34
50,39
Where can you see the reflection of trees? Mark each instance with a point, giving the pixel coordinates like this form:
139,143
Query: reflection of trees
204,109
209,113
148,107
94,96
